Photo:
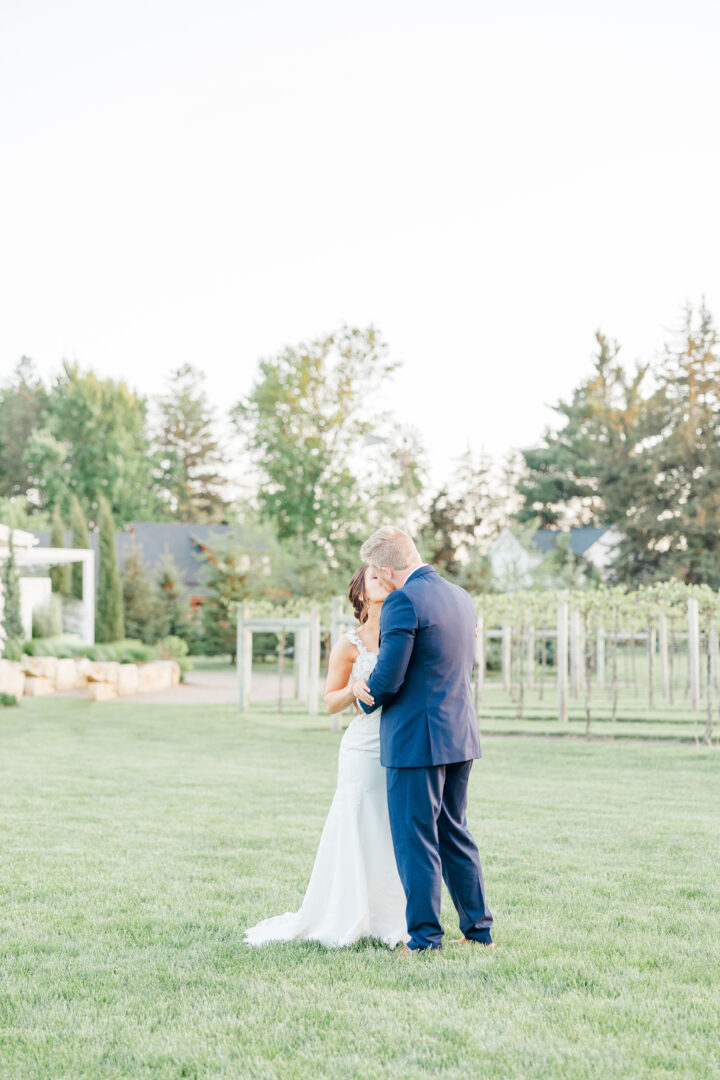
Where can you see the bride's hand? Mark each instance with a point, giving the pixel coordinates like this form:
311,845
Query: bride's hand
361,691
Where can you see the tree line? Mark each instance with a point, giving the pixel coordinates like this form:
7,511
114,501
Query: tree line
637,448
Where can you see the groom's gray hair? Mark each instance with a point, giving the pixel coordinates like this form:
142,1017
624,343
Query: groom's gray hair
391,547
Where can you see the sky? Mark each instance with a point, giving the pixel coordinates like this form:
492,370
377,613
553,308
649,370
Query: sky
208,181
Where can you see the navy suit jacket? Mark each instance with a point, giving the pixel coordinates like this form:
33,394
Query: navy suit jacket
422,675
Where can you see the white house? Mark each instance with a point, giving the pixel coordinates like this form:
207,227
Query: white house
513,564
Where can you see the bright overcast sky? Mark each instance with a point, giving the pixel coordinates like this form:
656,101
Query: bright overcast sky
488,183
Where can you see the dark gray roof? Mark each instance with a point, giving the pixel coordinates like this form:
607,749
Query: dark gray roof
154,538
580,539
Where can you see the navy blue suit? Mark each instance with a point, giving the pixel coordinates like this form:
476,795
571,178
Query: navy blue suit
428,740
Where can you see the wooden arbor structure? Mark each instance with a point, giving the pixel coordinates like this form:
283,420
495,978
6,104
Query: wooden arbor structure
306,630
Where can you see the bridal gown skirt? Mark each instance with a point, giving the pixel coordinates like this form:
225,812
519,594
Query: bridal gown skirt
354,890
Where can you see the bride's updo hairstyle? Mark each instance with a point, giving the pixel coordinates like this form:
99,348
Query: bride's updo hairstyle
356,595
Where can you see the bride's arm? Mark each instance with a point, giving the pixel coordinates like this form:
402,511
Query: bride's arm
338,694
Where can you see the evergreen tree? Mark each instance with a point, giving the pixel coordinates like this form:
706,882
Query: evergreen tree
80,539
61,575
671,496
570,477
139,598
190,459
173,604
13,634
109,622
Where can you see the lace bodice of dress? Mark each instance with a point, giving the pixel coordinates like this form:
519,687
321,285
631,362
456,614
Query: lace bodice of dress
363,732
365,661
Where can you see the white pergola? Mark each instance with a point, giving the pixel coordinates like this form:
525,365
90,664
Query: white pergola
26,554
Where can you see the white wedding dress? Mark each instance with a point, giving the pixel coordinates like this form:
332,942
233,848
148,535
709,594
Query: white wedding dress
354,890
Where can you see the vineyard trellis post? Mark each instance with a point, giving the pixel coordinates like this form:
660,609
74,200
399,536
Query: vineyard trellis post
600,657
507,657
576,653
663,650
561,658
694,651
479,664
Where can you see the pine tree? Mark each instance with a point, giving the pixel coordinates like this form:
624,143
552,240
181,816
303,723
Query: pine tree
190,458
173,605
109,622
139,598
80,539
61,575
11,616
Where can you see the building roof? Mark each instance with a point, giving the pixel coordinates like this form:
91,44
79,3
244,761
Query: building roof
580,539
184,542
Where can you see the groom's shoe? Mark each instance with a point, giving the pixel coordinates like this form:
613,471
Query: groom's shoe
405,953
472,941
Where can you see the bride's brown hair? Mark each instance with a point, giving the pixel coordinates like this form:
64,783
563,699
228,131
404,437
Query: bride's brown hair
356,595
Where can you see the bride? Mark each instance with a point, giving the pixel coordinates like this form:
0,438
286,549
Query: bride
354,889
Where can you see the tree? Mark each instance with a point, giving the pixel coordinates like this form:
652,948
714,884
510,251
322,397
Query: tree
173,605
248,568
23,407
189,459
80,539
671,496
94,440
60,575
140,607
12,626
462,515
571,475
304,423
109,622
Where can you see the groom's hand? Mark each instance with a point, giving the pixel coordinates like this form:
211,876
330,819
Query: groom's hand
361,691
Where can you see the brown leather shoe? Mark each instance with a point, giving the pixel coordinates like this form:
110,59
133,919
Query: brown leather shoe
471,941
405,952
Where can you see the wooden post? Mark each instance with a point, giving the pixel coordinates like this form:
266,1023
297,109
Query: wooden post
694,652
335,626
600,657
714,656
664,666
314,673
651,646
506,657
302,661
281,668
531,658
244,660
576,653
561,659
479,665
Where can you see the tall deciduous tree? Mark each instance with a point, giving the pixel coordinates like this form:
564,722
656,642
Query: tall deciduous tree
95,440
190,459
304,423
23,408
109,622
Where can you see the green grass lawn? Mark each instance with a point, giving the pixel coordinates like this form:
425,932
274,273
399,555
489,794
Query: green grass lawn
138,842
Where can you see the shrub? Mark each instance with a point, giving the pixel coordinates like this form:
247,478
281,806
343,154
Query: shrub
174,648
7,700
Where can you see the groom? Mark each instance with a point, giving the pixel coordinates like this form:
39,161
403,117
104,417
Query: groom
428,737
